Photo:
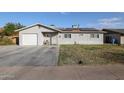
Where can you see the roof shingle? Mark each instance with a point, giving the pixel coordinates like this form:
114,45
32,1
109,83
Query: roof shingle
81,29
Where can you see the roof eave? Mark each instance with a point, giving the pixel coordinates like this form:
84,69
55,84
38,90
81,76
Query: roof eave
38,24
83,32
113,30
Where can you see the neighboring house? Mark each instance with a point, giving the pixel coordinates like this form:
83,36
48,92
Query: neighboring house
117,34
39,34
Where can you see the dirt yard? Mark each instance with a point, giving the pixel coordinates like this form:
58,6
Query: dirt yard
91,54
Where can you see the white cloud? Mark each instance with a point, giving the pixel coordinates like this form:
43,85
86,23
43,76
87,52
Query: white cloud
64,13
114,19
110,21
114,22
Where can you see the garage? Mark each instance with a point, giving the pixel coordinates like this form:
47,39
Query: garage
29,39
33,35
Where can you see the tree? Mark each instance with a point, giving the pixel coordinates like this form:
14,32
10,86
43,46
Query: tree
1,33
18,25
10,27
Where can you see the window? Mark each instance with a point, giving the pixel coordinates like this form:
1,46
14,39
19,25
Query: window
67,35
94,35
97,35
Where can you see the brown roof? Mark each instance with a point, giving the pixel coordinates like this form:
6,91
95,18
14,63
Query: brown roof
81,29
121,31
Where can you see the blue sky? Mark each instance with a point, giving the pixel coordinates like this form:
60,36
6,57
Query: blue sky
65,19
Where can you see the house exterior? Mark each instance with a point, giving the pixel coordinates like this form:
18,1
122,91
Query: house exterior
39,34
80,36
117,34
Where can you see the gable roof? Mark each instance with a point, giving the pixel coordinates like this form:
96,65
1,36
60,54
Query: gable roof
38,24
80,30
121,31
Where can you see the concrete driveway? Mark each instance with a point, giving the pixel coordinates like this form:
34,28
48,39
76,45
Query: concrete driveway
28,56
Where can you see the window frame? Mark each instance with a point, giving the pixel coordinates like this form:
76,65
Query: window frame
67,35
94,35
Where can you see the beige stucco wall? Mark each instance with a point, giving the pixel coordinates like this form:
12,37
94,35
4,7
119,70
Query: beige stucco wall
58,38
32,30
55,38
39,31
122,40
78,39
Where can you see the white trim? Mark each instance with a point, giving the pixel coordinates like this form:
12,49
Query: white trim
37,25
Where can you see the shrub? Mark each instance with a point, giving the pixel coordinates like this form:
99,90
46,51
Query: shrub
6,41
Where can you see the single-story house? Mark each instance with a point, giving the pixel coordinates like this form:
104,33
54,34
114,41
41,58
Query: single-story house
116,34
39,34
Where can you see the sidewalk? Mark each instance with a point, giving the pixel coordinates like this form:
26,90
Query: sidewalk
105,72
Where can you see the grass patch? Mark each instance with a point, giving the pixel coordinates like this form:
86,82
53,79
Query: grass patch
91,54
6,41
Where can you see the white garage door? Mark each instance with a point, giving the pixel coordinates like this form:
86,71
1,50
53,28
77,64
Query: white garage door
29,39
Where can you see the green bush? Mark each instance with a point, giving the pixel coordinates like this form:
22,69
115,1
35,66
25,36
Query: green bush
6,41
